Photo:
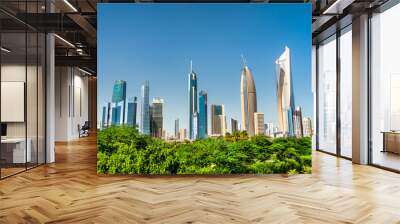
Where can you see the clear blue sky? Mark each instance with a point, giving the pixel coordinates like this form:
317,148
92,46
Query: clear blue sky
155,42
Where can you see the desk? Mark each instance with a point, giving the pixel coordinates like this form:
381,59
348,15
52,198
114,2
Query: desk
16,147
391,141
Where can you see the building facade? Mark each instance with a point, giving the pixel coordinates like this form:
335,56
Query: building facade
145,109
132,111
176,128
192,95
119,102
298,122
307,127
234,126
203,124
248,100
182,134
156,117
284,92
259,123
218,123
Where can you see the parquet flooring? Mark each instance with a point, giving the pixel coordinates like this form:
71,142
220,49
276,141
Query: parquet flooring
69,191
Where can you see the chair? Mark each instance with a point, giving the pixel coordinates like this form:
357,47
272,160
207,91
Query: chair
84,130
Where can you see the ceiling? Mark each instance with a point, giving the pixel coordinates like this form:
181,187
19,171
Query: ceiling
75,22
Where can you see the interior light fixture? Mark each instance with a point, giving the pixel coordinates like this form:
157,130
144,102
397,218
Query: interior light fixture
64,40
70,5
5,50
84,71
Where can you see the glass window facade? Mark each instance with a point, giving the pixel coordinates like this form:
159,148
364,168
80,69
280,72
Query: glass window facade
345,60
326,70
334,95
385,89
22,78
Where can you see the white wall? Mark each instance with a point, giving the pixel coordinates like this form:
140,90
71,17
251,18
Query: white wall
71,103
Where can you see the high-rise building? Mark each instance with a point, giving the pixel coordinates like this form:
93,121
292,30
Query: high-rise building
222,119
182,134
234,125
258,123
248,100
218,123
104,117
156,117
196,125
269,129
108,114
307,127
177,129
298,122
145,109
192,91
119,102
132,110
203,129
284,92
116,115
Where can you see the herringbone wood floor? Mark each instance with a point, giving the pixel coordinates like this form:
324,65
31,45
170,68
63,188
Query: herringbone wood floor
69,191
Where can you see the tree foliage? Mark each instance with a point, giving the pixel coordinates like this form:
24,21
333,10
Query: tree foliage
123,150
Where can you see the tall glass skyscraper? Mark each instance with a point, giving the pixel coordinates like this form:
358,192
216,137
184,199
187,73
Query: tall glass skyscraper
156,117
103,117
203,114
116,115
145,109
132,110
119,101
248,100
284,92
192,91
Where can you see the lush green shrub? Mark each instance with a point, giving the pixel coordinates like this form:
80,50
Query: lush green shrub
123,150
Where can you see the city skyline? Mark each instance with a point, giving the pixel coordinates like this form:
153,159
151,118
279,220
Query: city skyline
287,124
217,62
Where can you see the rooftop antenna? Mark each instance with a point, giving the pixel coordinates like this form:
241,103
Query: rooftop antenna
243,60
191,66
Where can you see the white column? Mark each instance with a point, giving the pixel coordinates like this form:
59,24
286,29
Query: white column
50,98
360,90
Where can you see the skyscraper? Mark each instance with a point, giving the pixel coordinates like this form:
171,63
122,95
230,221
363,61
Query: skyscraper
203,129
177,129
108,114
307,127
218,124
156,117
258,123
119,101
248,99
234,125
298,123
192,91
103,117
145,109
132,110
182,134
195,125
284,92
116,115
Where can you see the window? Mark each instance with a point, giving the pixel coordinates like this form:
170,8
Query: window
385,89
327,95
346,92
